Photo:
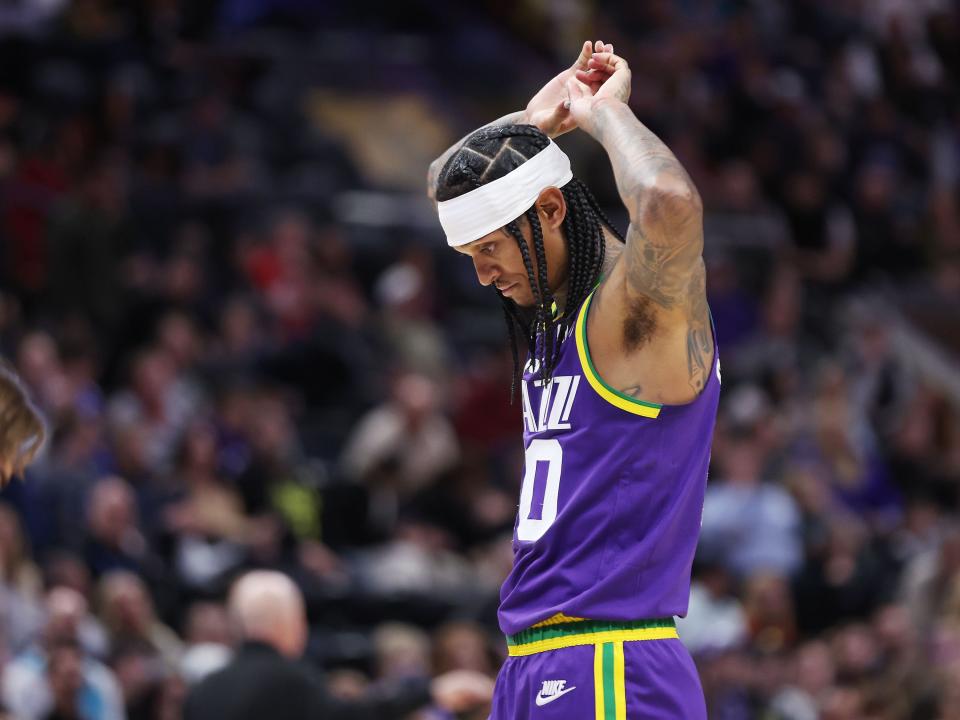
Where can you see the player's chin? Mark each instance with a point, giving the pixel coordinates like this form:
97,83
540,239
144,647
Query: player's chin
525,301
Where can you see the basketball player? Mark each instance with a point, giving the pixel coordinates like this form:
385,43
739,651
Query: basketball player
619,397
22,431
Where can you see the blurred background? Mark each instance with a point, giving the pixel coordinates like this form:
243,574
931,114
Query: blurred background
224,286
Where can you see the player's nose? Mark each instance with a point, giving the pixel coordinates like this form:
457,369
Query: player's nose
487,272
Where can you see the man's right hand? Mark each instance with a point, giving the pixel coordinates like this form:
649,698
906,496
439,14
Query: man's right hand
546,109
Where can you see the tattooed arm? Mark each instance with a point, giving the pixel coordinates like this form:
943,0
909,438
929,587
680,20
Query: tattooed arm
664,280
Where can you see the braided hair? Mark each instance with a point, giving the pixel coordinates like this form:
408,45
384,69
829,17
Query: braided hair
491,153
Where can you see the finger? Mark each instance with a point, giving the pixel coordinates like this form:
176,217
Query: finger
598,46
585,52
587,76
605,59
608,48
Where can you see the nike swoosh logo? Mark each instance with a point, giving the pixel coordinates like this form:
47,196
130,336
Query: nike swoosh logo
541,700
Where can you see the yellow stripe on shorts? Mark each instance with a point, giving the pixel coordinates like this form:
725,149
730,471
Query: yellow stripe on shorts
609,683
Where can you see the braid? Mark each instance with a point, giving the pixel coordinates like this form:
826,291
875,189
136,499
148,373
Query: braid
489,154
512,332
545,306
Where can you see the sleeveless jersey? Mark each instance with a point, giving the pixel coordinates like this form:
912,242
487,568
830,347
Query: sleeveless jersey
611,499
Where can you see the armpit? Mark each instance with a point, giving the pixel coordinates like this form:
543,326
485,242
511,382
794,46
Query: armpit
639,324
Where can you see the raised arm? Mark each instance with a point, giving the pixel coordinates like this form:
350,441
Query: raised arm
665,237
547,109
662,273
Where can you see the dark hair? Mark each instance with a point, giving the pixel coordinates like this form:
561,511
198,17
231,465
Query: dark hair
491,153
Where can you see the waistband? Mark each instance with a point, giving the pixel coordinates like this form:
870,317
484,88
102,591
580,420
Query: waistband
587,632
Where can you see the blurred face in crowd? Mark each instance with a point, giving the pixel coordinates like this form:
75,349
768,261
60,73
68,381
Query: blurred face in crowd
416,396
200,448
461,646
112,513
65,675
131,446
742,461
768,598
207,622
127,607
239,325
272,431
178,336
498,261
814,667
66,609
401,651
856,651
152,375
37,359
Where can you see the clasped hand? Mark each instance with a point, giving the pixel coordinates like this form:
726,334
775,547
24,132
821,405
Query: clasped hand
567,101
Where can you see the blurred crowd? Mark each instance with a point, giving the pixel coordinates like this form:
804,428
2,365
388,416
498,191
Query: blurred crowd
223,286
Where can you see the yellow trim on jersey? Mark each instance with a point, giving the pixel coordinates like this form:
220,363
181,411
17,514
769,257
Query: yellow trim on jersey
557,619
611,395
655,633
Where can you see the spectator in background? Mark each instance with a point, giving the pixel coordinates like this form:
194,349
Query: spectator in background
716,619
204,518
403,445
754,525
158,398
462,646
407,325
114,539
401,651
208,641
26,684
128,616
65,677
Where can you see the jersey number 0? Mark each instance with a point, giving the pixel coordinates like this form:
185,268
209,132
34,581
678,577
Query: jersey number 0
540,489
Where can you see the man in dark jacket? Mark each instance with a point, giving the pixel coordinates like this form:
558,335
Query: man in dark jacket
264,680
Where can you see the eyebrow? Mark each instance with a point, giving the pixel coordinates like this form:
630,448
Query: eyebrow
475,244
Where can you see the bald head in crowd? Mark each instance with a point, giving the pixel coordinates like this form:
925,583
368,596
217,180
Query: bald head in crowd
267,607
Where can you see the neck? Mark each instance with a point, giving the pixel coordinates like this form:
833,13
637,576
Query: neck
612,250
560,298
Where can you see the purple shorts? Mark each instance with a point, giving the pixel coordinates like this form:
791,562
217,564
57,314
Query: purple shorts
621,676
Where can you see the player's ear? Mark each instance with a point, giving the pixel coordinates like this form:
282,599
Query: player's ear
551,208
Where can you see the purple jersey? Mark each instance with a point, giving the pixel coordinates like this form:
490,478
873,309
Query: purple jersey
611,499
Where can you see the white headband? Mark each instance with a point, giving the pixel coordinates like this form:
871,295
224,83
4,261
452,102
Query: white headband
471,216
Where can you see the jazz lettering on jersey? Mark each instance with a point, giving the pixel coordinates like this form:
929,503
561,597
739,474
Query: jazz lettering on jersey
556,404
